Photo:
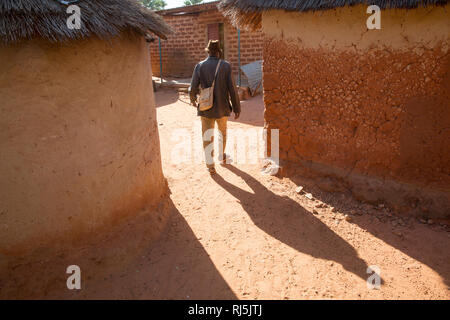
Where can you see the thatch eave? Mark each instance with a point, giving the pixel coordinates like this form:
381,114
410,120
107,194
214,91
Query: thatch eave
27,19
247,13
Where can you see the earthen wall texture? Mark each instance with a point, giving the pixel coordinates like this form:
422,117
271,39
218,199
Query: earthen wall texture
79,144
185,47
375,113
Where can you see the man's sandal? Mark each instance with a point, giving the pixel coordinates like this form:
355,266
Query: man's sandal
212,170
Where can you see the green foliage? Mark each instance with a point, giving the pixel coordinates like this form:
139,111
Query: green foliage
192,2
153,4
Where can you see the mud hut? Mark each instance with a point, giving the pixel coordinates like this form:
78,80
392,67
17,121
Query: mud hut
80,153
360,109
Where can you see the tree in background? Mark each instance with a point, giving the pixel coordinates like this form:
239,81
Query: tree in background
192,2
153,4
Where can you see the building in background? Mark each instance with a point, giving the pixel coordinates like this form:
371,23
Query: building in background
193,26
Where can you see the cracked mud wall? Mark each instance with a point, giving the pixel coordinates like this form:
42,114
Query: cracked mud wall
368,110
80,155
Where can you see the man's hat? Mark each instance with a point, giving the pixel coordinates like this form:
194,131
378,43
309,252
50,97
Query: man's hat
213,46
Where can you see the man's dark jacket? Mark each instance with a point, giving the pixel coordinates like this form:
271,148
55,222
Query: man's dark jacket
224,88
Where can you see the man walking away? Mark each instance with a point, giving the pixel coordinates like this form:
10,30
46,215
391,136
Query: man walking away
224,91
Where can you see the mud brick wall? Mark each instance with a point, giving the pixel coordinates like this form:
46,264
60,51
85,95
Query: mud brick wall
77,169
185,47
370,109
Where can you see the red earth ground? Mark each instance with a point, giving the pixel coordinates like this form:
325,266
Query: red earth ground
248,235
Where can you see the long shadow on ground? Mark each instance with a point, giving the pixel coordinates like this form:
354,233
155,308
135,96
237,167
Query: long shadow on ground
420,242
287,221
176,266
181,268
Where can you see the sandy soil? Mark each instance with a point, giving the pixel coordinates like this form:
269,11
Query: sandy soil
246,235
265,242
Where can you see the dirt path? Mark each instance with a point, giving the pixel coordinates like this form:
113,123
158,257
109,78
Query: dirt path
247,235
264,242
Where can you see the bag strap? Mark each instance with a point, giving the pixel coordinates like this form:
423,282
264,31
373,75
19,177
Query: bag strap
215,74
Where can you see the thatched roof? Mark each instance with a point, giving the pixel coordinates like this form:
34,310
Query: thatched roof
247,13
26,19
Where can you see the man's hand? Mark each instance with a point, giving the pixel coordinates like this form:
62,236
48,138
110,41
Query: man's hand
236,115
194,102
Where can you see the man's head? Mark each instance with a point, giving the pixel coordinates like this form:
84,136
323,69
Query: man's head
213,48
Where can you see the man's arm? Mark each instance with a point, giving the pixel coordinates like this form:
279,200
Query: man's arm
232,90
194,88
